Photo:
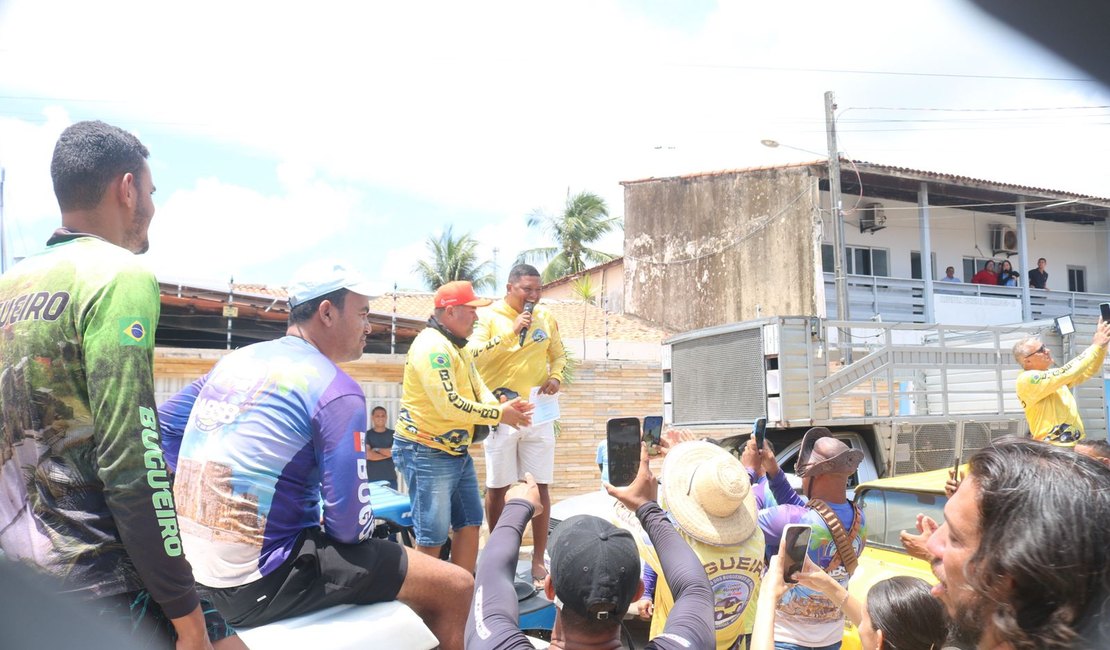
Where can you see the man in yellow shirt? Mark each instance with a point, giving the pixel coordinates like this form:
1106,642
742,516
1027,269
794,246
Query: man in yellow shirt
1045,392
517,346
442,401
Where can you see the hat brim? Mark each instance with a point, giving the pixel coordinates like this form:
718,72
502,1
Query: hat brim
845,462
362,289
678,468
479,302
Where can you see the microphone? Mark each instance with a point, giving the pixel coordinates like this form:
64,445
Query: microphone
528,307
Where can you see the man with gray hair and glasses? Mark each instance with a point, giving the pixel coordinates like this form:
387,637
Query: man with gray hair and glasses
1045,391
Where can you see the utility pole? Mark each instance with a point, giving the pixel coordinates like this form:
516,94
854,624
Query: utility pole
839,271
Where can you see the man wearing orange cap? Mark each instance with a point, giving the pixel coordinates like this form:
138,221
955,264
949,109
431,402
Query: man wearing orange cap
444,404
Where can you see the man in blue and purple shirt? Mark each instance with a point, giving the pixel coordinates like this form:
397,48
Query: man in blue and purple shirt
269,445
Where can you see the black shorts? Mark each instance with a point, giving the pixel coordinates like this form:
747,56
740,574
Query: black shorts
149,626
320,573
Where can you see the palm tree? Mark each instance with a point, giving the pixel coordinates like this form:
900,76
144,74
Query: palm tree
454,259
584,220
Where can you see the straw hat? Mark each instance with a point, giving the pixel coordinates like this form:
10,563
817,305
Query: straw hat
708,493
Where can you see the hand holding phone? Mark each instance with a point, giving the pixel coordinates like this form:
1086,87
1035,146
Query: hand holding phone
796,546
623,438
759,432
653,432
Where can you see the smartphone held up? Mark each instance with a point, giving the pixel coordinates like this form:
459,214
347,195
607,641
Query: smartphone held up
623,439
796,537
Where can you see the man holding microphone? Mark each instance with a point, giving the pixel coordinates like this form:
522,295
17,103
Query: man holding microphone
517,347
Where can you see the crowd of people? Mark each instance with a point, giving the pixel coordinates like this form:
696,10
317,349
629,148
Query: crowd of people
1003,274
245,498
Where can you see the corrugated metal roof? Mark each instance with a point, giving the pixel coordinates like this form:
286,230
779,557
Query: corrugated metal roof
893,170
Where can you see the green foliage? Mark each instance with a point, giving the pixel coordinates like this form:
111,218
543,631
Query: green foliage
584,220
454,258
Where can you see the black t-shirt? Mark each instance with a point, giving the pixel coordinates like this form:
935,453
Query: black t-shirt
380,470
1038,278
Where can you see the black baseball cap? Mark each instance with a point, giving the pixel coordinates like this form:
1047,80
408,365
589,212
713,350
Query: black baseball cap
595,567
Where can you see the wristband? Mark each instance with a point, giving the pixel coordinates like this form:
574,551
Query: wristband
844,601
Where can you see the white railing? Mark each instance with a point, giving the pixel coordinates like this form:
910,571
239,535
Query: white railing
902,299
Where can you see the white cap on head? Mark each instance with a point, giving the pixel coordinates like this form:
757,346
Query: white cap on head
323,277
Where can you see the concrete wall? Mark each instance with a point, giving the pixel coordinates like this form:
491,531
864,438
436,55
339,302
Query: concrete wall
707,250
608,282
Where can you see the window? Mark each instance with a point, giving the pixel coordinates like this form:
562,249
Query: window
1077,278
973,265
889,512
915,265
860,260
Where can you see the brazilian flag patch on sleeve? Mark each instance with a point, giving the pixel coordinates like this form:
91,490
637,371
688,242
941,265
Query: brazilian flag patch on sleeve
134,331
439,360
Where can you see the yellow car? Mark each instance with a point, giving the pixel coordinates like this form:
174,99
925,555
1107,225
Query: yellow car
891,505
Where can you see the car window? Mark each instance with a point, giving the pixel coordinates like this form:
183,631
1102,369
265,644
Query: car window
889,512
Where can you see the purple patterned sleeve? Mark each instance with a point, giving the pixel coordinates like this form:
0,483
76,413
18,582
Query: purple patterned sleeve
340,446
774,520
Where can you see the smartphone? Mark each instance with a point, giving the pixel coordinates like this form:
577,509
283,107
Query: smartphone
653,432
797,545
956,466
759,432
623,438
1104,307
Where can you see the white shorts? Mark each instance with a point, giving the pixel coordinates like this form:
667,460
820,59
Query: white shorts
512,452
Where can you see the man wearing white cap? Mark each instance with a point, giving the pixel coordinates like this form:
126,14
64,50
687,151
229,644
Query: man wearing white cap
709,496
806,618
273,438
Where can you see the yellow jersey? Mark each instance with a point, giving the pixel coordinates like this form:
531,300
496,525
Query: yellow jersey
1046,394
503,362
442,396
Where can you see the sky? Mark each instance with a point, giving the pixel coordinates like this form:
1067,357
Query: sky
283,132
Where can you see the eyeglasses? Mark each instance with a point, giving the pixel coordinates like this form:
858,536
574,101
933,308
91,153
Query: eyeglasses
1040,350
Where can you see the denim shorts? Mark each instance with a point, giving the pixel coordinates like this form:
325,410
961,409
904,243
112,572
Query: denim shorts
443,490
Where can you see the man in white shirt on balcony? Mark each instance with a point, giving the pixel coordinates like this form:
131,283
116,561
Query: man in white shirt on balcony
950,275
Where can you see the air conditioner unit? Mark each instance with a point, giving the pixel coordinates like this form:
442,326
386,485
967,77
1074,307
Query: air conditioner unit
1003,239
872,217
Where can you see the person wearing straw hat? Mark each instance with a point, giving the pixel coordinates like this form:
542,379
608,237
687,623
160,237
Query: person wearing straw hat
709,497
806,618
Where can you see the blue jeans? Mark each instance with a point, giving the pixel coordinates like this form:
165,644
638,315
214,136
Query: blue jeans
443,490
793,646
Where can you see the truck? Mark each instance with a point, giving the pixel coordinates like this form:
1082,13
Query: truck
915,397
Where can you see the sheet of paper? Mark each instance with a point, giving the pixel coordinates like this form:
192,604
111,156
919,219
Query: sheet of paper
546,406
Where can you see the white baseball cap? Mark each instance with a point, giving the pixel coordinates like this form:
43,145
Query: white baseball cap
321,278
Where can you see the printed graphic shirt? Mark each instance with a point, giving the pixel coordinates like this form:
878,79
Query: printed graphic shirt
442,396
503,362
1046,394
271,437
806,617
735,574
84,492
492,623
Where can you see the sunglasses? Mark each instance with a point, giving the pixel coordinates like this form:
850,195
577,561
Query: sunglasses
1040,350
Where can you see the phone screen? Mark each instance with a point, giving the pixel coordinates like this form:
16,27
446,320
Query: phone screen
797,545
759,432
653,429
623,438
1104,307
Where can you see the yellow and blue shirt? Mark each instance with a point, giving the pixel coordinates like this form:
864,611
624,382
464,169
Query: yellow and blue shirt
443,396
503,362
1046,394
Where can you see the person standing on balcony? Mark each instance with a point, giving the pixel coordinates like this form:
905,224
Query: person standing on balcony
1038,277
950,275
1008,277
986,275
1046,392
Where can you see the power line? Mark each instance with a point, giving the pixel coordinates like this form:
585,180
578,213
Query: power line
884,72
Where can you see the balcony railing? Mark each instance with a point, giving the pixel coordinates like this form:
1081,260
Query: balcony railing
902,299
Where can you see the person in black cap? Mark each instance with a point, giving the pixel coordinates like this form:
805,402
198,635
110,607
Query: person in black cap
595,575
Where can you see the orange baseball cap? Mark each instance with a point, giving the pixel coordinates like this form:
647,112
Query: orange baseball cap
459,292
